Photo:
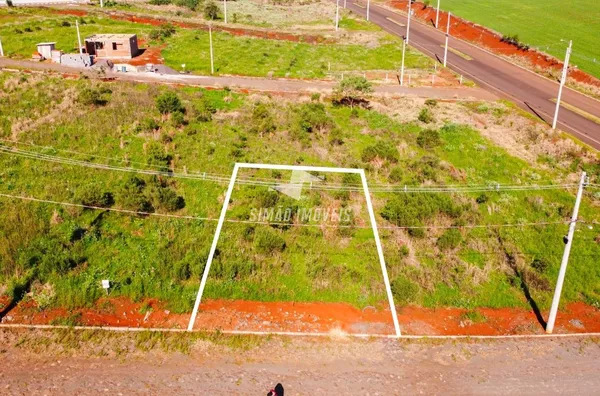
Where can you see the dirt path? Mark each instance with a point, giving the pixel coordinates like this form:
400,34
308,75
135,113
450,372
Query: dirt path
36,363
257,84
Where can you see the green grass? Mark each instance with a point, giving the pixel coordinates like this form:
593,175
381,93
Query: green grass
541,24
73,249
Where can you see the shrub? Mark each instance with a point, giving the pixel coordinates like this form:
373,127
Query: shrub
406,210
429,138
426,116
131,195
157,156
91,195
382,150
449,239
92,97
266,198
204,111
148,124
268,241
312,116
177,119
160,2
395,175
190,4
211,11
431,103
162,197
404,290
336,137
169,102
540,265
482,198
18,31
65,24
28,29
165,31
262,121
351,90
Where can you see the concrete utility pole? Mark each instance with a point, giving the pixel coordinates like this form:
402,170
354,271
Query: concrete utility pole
212,63
563,80
78,36
408,23
345,3
1,49
337,15
101,4
402,67
437,15
565,258
225,10
447,37
368,8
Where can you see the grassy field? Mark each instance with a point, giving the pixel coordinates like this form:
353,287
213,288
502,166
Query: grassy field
233,54
542,24
61,253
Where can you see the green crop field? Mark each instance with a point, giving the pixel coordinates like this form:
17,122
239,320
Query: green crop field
57,255
233,54
542,24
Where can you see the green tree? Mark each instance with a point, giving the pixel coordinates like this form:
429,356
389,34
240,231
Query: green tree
211,11
169,102
352,90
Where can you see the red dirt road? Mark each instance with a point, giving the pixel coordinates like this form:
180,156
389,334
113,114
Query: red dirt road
310,318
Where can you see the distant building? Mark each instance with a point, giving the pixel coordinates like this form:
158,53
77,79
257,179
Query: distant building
112,46
45,49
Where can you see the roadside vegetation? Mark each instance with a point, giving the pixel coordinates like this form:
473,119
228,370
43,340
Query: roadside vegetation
57,255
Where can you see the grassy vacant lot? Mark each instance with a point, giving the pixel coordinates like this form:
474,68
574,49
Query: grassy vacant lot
62,253
542,24
233,54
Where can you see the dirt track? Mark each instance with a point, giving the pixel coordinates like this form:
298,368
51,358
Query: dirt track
305,366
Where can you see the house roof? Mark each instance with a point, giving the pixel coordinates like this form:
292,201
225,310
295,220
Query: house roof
109,37
40,44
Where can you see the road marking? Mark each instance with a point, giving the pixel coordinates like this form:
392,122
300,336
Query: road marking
457,52
577,110
359,5
396,22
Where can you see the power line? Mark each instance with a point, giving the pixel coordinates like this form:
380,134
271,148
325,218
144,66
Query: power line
377,188
284,224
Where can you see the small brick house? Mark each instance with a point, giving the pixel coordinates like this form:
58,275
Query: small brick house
112,46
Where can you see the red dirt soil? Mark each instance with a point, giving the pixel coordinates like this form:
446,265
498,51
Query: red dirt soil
308,318
155,21
489,39
150,55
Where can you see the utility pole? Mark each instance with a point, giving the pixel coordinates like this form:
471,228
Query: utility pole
368,8
78,36
101,4
437,15
563,80
447,37
212,63
345,2
337,15
225,10
565,258
402,67
408,23
1,49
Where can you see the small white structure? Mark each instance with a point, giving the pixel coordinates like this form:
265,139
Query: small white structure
45,49
125,68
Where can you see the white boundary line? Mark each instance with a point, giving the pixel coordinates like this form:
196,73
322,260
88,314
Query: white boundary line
213,247
297,334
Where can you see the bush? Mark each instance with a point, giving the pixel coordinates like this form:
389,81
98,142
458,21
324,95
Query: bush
162,197
157,156
211,11
91,195
169,102
336,137
382,150
312,116
395,175
450,239
268,241
190,4
540,265
410,210
131,195
177,119
262,121
163,32
404,291
159,2
426,116
482,198
431,102
429,138
148,124
65,24
351,90
204,111
92,97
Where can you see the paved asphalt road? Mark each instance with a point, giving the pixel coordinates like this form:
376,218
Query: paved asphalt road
529,90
